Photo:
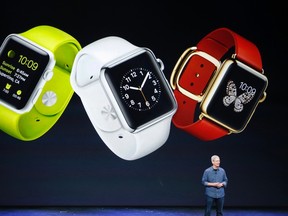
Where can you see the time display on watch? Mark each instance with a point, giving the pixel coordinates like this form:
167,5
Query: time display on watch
140,89
25,61
21,67
236,97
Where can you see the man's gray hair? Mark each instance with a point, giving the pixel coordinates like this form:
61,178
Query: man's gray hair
213,157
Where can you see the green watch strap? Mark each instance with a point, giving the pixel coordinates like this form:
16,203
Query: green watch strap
33,124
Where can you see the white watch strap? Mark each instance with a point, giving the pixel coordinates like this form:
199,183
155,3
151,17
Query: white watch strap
100,53
85,82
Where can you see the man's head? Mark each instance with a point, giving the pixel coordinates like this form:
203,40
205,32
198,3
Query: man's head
215,160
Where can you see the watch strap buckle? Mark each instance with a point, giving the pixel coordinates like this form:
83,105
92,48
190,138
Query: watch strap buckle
179,66
204,69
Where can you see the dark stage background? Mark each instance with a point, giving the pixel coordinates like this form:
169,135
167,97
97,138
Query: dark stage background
71,166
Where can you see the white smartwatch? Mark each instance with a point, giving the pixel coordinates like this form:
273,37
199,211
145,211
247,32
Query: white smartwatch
125,94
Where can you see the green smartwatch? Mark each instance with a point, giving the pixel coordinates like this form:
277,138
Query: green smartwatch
35,84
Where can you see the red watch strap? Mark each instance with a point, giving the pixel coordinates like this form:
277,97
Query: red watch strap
203,129
218,42
196,76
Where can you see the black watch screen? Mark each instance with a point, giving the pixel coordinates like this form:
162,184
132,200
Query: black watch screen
140,88
236,97
21,67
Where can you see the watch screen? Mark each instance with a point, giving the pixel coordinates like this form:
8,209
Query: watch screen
21,67
237,96
140,89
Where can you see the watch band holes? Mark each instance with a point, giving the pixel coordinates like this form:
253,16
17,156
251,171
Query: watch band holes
67,66
120,137
184,102
201,65
91,77
37,119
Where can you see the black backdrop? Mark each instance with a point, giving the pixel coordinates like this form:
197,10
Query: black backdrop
71,166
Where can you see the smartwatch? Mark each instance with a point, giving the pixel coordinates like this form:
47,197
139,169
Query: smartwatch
35,69
125,94
218,85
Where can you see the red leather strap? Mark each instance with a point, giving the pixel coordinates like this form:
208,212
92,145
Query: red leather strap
219,41
196,76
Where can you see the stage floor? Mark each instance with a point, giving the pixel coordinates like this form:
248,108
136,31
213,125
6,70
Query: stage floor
134,211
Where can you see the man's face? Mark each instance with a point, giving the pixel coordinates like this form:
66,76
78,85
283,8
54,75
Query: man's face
216,162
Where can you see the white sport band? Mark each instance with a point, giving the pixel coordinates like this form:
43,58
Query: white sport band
102,109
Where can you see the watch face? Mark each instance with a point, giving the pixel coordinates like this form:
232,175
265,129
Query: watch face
140,82
21,67
140,89
234,98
